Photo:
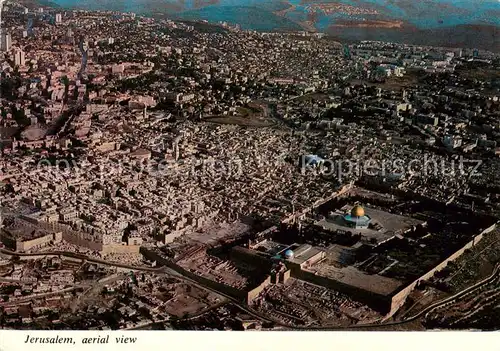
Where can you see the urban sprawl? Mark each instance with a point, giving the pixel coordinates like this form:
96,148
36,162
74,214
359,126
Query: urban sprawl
186,175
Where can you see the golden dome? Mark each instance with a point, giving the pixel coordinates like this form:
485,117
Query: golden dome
357,211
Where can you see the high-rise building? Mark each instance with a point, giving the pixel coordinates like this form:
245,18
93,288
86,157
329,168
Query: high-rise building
6,41
69,38
20,58
58,18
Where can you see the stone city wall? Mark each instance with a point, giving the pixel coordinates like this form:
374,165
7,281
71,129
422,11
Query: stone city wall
27,245
241,254
399,299
170,237
267,231
7,240
345,189
68,234
83,239
75,239
223,288
252,294
120,249
375,301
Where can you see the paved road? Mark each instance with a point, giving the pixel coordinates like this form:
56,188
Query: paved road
159,270
186,318
251,311
492,277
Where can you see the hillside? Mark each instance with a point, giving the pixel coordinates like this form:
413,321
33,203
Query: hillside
424,21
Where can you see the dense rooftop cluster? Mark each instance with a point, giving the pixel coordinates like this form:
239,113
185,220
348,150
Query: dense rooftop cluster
120,133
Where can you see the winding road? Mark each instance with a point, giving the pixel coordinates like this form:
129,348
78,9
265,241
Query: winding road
251,311
159,270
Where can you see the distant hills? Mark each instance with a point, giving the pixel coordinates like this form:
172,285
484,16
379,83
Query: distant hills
473,23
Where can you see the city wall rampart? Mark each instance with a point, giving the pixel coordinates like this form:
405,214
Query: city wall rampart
252,294
267,231
373,300
399,299
79,240
377,302
226,289
292,218
7,240
120,249
26,245
249,257
87,240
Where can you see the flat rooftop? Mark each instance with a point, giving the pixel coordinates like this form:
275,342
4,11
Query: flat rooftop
331,268
334,264
270,247
304,253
